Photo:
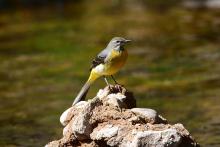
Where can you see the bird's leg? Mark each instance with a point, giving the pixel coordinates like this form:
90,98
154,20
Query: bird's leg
117,85
114,80
106,81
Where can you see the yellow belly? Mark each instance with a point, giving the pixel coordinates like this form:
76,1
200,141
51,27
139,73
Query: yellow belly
115,62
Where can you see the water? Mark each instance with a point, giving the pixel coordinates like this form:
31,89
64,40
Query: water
46,51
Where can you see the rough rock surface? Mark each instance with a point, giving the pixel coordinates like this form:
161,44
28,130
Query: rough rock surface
111,119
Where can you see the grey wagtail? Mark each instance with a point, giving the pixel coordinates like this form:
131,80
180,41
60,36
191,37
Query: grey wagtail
108,62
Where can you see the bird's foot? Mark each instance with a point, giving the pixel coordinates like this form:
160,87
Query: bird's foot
119,87
111,88
116,88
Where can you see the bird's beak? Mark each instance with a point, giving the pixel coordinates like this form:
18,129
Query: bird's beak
127,41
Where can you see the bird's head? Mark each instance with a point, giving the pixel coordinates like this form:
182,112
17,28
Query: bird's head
118,43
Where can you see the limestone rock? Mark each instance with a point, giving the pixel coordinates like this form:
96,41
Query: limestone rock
107,131
149,115
64,118
81,126
168,138
111,119
67,115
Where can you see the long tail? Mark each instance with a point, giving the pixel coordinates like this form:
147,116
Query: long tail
83,92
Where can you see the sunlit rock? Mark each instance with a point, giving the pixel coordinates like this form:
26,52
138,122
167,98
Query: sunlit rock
107,131
167,138
110,119
149,115
64,118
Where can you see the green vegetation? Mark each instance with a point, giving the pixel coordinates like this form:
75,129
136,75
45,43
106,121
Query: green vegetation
45,55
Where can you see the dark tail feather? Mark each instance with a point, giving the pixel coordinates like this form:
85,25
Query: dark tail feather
82,94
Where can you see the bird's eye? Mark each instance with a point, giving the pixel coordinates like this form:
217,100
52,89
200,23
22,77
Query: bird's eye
117,41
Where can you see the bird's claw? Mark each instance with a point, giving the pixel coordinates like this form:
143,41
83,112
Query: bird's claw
110,88
119,88
115,88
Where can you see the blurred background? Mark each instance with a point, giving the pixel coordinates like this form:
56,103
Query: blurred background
46,47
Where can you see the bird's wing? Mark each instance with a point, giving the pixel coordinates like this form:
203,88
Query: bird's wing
100,58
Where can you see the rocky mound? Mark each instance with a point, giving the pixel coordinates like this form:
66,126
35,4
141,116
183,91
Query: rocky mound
111,119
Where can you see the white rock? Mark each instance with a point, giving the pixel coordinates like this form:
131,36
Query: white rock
165,138
116,100
106,132
81,127
64,117
100,123
66,129
102,93
134,119
118,96
148,114
81,104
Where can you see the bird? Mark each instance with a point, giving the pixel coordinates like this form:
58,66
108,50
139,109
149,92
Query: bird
108,62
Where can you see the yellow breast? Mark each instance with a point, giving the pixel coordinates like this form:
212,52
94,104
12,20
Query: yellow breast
115,61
